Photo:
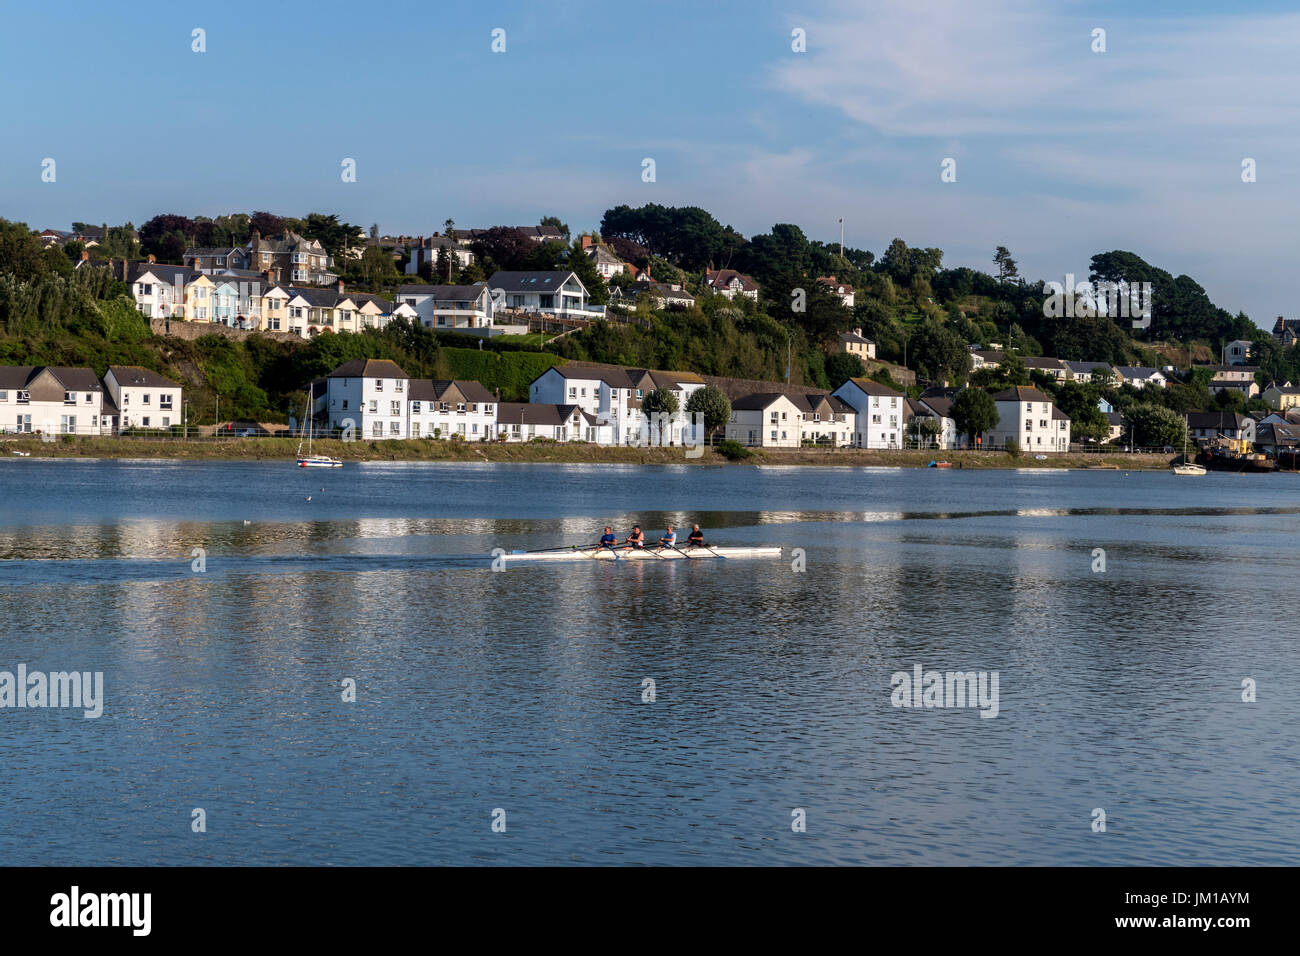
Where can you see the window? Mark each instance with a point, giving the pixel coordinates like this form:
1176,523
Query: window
573,391
487,409
397,385
774,434
394,408
167,422
90,398
395,428
415,408
24,396
144,422
69,398
415,429
460,408
4,396
165,400
145,399
374,407
377,429
379,385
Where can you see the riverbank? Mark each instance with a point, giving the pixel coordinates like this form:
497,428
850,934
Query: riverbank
285,449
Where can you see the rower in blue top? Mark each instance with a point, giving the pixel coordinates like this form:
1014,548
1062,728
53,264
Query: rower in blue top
607,540
670,539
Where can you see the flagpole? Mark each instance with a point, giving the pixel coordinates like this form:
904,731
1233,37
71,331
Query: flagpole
841,237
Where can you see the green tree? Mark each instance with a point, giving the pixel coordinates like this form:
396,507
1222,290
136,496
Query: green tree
937,352
585,270
661,401
1152,426
713,404
1006,265
974,412
842,366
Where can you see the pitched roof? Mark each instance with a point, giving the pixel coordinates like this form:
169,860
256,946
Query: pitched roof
72,379
856,338
1219,421
531,281
368,368
874,388
526,413
137,375
761,400
1021,393
164,272
433,390
722,278
1136,371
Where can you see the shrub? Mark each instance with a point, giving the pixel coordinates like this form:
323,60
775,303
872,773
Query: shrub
1013,448
733,450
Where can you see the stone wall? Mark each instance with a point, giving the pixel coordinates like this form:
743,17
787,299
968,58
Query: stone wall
192,330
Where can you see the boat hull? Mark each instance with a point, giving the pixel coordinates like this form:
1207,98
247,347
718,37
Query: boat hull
643,554
319,463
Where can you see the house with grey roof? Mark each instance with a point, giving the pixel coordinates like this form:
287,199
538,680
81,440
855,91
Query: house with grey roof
290,258
143,398
556,292
460,308
51,400
881,413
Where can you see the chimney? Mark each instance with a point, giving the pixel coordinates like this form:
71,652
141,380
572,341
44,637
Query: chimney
152,258
586,241
270,276
340,287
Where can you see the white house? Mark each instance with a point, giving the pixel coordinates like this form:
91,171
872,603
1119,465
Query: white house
827,420
1031,419
451,409
369,395
556,293
144,399
937,409
766,420
841,289
463,308
613,394
520,421
1207,426
159,290
880,413
1235,378
1085,371
1141,377
427,248
51,400
730,283
1237,352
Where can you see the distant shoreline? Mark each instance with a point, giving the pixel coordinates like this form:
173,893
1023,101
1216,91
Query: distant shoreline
285,449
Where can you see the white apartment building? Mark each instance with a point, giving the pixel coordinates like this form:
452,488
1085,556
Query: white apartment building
143,399
1032,419
455,409
368,395
881,413
49,400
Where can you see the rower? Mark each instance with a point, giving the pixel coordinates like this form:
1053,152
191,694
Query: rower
607,540
696,538
637,538
669,540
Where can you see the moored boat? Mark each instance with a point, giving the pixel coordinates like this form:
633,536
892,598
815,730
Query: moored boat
940,464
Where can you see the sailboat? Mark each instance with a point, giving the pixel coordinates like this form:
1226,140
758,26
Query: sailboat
309,460
1187,467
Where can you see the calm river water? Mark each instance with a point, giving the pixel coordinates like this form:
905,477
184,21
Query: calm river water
476,691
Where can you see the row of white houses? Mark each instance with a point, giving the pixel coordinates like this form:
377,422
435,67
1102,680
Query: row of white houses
255,301
602,404
55,400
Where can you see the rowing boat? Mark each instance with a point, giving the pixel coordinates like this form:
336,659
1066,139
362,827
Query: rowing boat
642,554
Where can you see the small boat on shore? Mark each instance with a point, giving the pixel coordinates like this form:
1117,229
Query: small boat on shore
939,464
578,553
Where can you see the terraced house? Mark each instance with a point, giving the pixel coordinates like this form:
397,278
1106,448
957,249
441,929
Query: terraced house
451,409
1032,419
51,400
613,394
141,398
880,413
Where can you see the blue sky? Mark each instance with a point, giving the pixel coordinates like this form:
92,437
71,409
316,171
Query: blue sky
1061,152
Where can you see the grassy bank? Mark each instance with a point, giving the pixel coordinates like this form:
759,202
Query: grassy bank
285,449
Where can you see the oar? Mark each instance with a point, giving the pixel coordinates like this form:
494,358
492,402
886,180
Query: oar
712,552
571,547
